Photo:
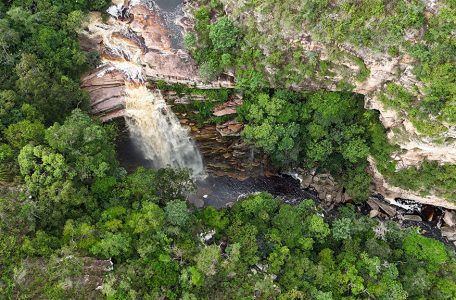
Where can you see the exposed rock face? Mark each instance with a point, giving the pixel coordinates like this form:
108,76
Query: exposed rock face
229,155
392,192
135,36
106,87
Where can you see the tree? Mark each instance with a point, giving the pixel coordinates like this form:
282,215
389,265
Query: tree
426,249
24,132
112,245
177,212
341,229
207,261
223,34
85,144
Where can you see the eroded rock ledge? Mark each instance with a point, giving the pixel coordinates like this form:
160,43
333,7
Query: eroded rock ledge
137,43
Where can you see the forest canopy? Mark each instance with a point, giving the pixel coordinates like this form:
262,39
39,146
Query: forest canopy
76,225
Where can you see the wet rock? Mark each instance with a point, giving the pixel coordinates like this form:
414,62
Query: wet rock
414,218
141,44
229,204
450,218
429,213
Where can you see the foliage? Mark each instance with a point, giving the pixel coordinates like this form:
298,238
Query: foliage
214,43
40,66
259,246
395,27
320,130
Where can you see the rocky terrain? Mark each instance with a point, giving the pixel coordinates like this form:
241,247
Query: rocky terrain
134,43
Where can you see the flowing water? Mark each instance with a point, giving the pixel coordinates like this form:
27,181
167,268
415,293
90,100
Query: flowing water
153,127
157,132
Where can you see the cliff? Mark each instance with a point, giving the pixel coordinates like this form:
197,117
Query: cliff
134,42
376,74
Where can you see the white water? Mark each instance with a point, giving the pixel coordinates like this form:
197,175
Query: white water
152,125
157,131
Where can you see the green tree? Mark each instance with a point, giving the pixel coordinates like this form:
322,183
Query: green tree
223,34
24,132
85,144
207,261
177,212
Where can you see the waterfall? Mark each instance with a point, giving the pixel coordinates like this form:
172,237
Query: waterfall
157,131
152,125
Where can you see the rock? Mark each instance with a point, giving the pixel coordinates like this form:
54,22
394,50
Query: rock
339,197
449,233
429,212
235,127
373,204
306,181
230,128
414,218
373,213
390,192
225,112
389,210
450,218
139,44
229,204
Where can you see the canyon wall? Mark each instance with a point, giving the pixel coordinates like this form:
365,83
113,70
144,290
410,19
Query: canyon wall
135,35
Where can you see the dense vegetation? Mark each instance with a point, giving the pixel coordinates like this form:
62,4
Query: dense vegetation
268,53
326,131
40,66
163,249
67,208
265,56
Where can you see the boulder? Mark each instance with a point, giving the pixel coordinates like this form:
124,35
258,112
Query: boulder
373,204
388,209
450,218
373,213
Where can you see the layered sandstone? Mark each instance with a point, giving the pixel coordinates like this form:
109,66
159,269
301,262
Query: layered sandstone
134,44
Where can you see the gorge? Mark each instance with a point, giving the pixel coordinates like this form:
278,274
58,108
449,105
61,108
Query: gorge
225,149
142,43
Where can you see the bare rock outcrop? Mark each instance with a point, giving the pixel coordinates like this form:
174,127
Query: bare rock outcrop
390,192
135,40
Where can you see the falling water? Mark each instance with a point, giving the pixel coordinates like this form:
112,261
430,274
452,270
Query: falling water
153,126
157,131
